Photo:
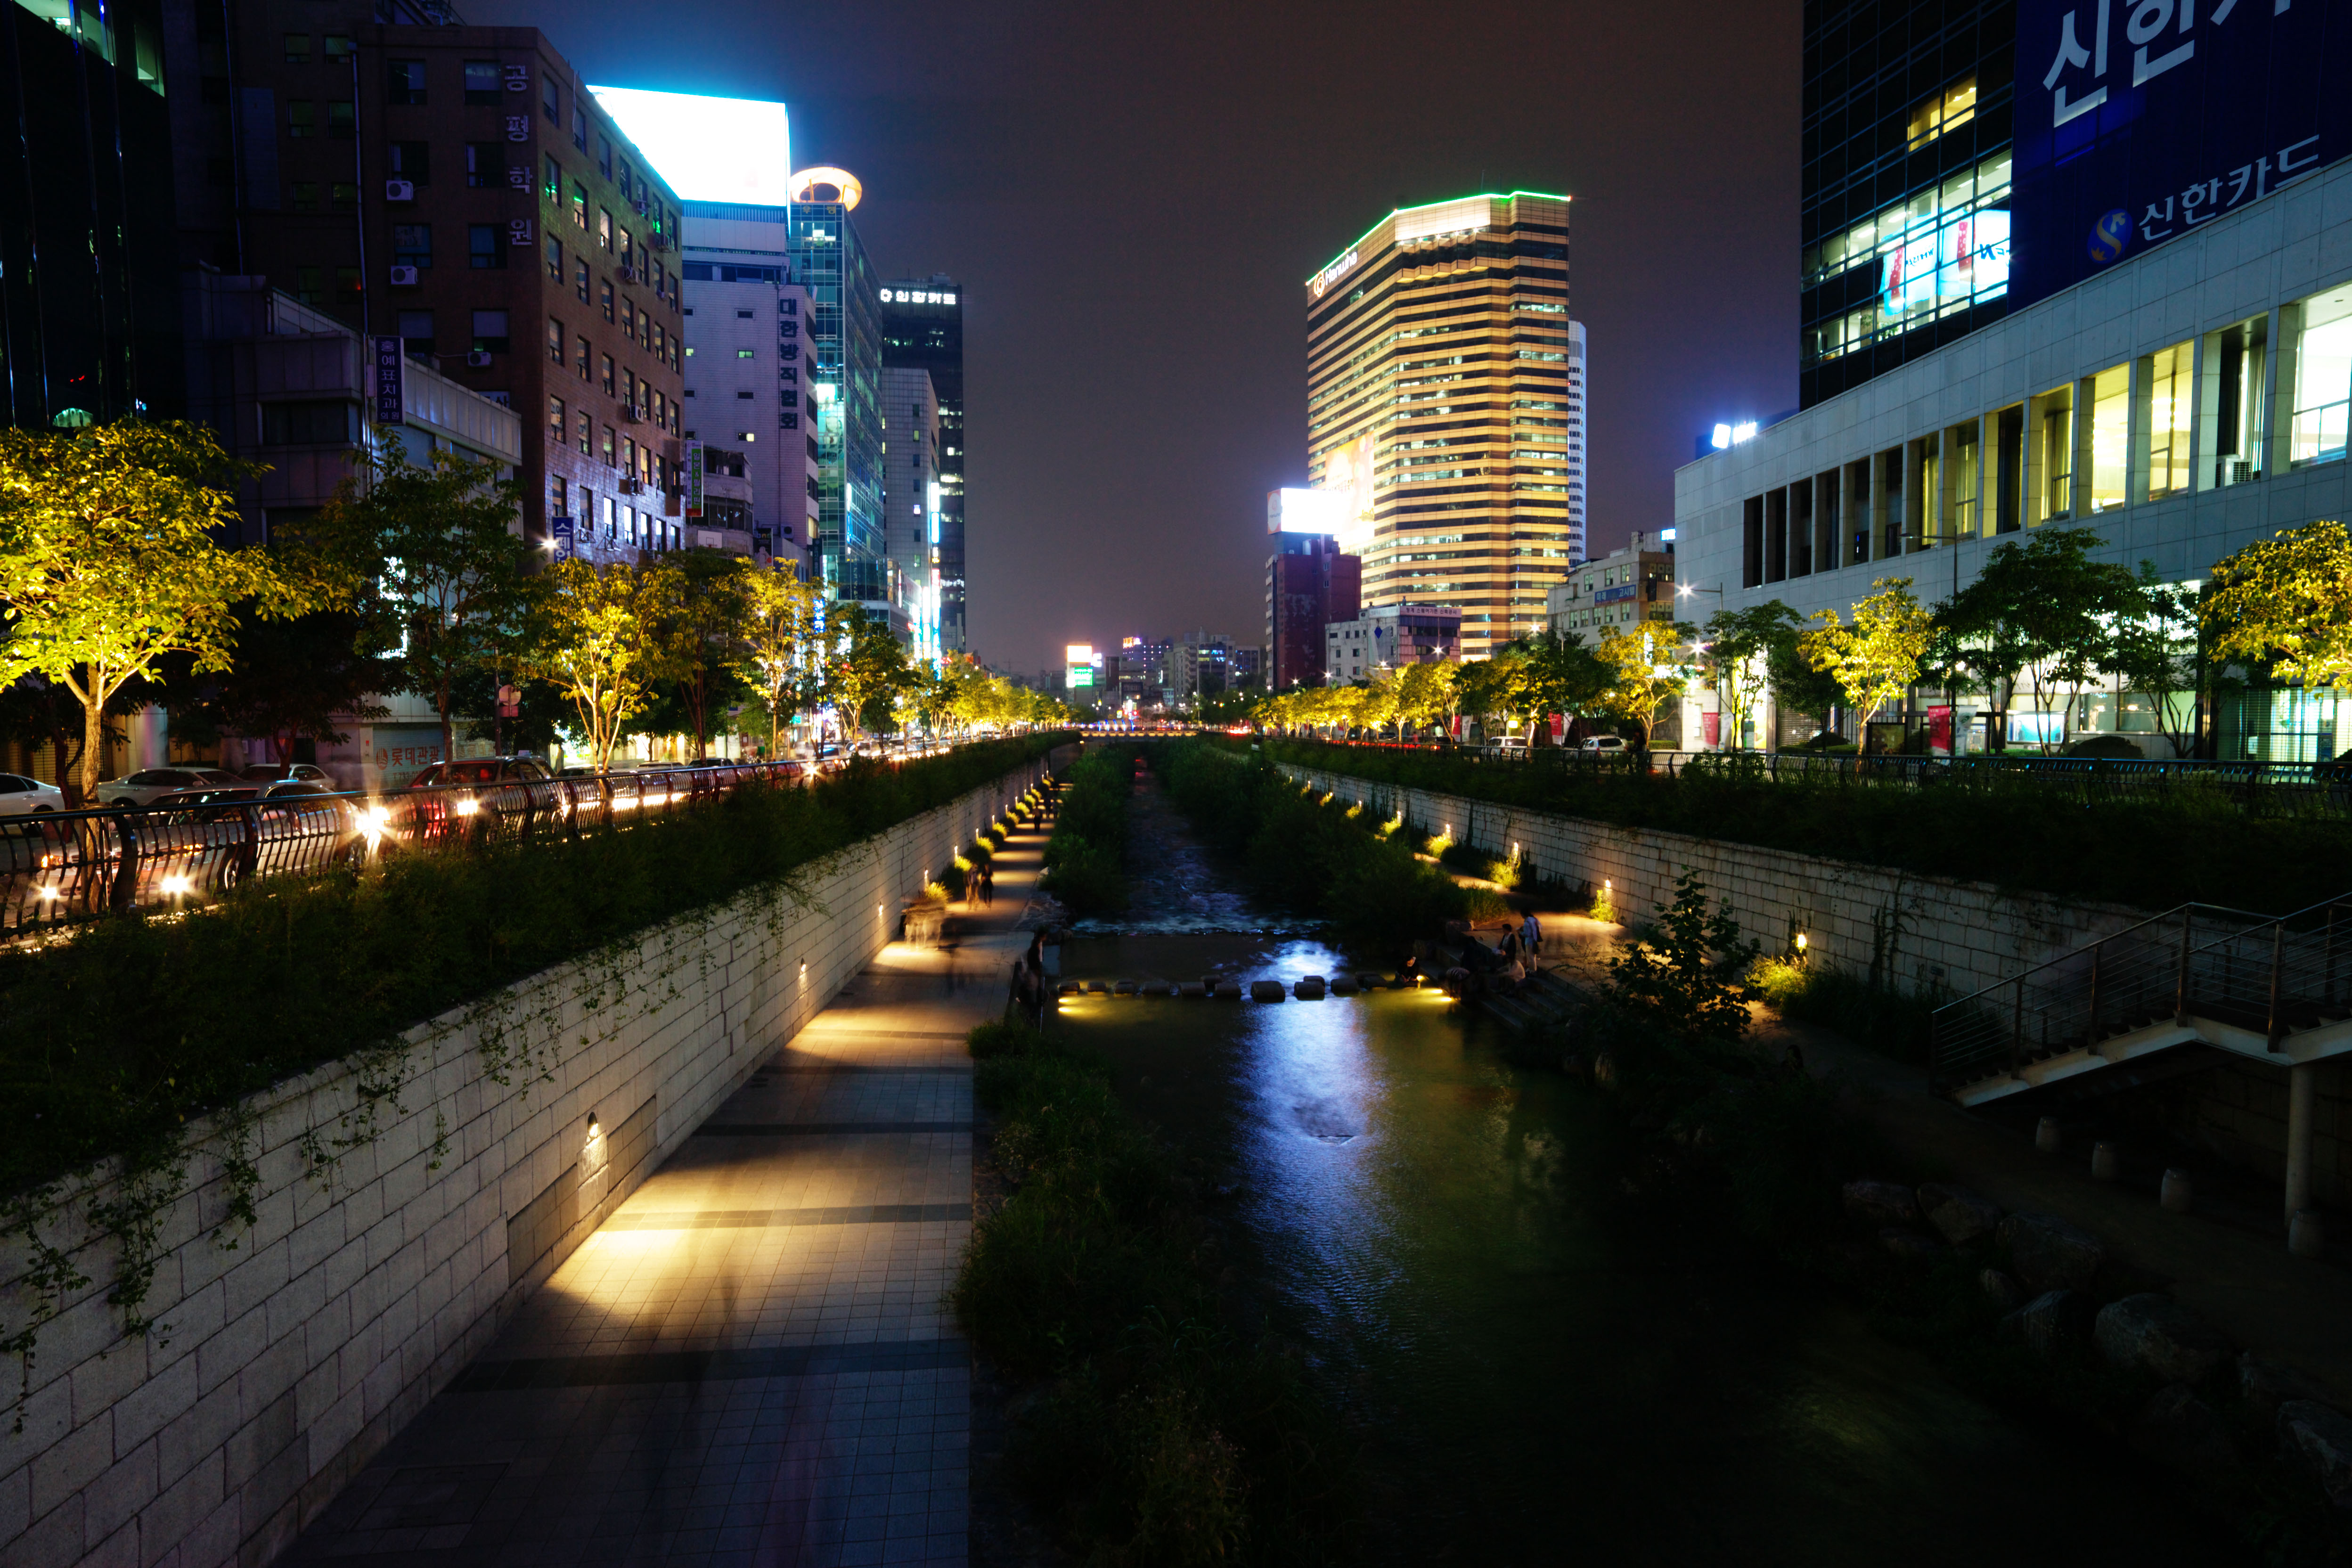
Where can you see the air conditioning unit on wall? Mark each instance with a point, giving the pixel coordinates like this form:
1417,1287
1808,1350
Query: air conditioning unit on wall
404,277
479,360
399,190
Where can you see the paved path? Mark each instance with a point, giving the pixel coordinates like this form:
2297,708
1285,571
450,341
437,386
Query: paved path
750,1362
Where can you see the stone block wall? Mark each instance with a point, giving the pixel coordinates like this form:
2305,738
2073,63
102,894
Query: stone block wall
397,1231
1917,933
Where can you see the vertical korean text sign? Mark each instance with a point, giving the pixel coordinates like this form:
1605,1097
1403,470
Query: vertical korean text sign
2138,120
390,382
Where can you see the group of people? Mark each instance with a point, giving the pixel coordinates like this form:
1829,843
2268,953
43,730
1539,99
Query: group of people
980,887
1521,949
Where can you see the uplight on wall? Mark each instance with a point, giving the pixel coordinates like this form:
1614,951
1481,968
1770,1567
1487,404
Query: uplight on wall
1731,434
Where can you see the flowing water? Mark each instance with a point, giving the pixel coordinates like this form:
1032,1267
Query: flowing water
1532,1384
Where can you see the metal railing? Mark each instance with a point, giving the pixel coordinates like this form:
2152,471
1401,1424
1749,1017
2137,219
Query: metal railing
2268,975
58,868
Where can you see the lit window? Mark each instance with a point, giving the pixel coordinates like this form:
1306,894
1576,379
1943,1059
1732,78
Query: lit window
1947,111
2170,393
2323,378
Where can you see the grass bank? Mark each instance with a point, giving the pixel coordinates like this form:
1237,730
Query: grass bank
2010,831
1085,858
1311,855
1155,1433
111,1038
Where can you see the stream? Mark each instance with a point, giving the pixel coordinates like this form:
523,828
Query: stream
1530,1384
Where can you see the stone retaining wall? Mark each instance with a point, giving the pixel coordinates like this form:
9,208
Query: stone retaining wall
1919,932
284,1364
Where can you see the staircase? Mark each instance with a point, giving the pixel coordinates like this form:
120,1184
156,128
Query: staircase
2177,985
1544,1000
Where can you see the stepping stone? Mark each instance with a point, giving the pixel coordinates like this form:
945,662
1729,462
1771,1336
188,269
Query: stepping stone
1228,991
1123,988
1266,991
1158,988
1192,988
1310,988
1342,986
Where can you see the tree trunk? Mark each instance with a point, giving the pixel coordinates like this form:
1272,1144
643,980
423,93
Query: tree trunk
441,699
69,765
93,747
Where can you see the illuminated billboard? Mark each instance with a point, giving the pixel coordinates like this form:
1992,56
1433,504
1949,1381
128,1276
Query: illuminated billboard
1079,666
1963,255
1348,481
708,149
1302,512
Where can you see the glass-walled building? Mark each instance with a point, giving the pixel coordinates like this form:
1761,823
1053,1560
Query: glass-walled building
845,392
89,308
1445,412
1905,221
922,329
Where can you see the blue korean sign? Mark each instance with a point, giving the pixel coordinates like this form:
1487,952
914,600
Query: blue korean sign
2138,120
391,381
560,535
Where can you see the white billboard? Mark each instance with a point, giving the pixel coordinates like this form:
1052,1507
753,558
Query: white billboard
708,149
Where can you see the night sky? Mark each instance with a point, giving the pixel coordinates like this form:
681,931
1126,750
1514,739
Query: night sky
1132,201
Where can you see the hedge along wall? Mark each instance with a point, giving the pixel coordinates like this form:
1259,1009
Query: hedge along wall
1902,929
407,1201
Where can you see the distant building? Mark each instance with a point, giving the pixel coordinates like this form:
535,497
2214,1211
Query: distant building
1387,638
1621,590
845,375
922,328
746,388
1309,584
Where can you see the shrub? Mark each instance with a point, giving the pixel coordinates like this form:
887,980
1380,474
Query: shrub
1084,859
1158,1435
1898,1023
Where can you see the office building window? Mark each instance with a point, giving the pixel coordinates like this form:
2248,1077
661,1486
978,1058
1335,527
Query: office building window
557,486
611,440
605,228
412,245
412,160
605,156
555,262
580,283
579,206
335,48
580,429
2323,379
2170,392
302,118
555,341
549,101
555,429
308,285
2241,360
416,332
298,48
582,362
491,332
482,86
604,300
485,246
309,424
2110,400
341,125
607,379
579,127
2050,486
404,81
484,164
345,197
303,195
551,184
1947,111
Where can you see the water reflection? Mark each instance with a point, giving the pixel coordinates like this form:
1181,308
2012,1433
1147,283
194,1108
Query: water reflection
1535,1386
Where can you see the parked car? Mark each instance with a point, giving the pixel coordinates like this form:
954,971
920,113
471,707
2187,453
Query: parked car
1604,745
21,796
497,786
149,784
297,773
1509,746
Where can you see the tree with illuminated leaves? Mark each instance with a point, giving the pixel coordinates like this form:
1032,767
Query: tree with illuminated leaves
606,636
1649,666
865,666
109,563
1876,659
2286,603
778,640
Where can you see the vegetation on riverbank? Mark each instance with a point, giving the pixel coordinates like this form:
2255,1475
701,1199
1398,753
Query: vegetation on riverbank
1898,1024
112,1037
1311,855
1085,858
1156,1433
2012,831
1718,1140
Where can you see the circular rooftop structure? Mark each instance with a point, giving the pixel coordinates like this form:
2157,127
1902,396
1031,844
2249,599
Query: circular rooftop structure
825,183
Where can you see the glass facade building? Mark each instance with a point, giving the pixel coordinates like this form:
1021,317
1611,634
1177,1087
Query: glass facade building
1905,216
89,310
922,329
1446,404
845,395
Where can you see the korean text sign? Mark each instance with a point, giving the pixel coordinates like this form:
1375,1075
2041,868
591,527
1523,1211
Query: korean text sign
2138,120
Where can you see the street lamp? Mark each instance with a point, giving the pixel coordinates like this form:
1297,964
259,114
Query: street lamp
1684,590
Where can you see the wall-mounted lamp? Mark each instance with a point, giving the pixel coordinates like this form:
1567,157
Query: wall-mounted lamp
1801,941
596,1130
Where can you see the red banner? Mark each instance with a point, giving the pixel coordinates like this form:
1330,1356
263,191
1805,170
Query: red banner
1711,725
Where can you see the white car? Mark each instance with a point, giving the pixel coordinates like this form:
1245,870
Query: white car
21,796
1605,745
149,784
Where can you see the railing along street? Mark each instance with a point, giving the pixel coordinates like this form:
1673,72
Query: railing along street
2267,974
57,867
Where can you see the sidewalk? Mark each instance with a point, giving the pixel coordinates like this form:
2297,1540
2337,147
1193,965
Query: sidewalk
750,1362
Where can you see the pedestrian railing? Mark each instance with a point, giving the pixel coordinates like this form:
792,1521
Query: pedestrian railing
57,867
2267,975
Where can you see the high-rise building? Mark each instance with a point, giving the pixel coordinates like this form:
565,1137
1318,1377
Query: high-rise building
845,369
910,498
1446,412
1904,220
460,189
1620,591
1310,583
89,308
923,327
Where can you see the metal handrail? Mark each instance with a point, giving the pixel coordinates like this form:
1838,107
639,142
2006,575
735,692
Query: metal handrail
60,867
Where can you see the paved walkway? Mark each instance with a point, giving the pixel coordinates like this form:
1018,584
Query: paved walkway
750,1362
